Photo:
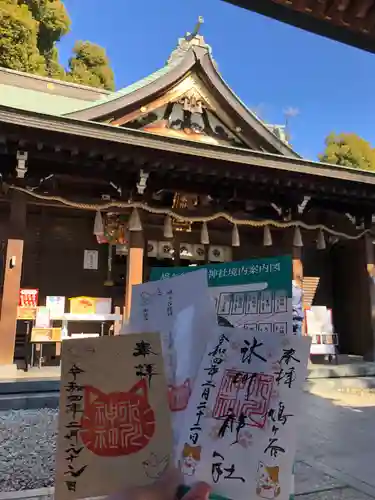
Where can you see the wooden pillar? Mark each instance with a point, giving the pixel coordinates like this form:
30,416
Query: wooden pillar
134,267
298,276
369,355
297,266
176,247
12,277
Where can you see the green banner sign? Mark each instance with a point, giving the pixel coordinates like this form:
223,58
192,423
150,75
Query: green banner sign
275,271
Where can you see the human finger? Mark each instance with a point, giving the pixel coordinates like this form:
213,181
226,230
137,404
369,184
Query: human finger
168,484
163,488
199,491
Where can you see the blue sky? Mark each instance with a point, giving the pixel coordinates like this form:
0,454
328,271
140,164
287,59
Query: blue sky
270,65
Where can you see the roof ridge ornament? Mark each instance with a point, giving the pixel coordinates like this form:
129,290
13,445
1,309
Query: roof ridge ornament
194,39
189,36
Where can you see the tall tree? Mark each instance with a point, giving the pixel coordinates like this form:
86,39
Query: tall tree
29,33
348,150
54,22
90,66
18,39
53,68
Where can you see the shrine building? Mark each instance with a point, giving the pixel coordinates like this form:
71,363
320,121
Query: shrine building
97,187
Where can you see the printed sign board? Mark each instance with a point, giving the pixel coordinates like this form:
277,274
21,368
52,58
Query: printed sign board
253,294
43,318
28,297
91,259
56,306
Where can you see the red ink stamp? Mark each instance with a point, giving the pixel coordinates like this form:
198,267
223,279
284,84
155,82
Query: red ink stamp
244,393
118,423
179,395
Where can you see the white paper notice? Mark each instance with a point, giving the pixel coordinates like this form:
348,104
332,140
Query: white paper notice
240,424
183,311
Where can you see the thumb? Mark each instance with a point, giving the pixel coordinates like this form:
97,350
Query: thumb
163,489
167,485
199,491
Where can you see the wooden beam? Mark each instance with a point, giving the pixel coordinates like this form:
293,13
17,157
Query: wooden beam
148,108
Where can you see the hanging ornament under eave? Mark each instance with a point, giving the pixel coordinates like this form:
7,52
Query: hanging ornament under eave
321,242
135,224
267,237
98,224
297,237
235,236
109,280
99,230
168,228
205,238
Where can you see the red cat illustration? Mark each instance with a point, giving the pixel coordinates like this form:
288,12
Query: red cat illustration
179,395
118,423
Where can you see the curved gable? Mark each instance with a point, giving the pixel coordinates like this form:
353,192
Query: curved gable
189,76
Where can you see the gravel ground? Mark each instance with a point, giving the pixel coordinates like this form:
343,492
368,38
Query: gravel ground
27,449
28,444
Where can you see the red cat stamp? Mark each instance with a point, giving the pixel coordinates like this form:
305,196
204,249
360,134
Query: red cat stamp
118,423
178,396
244,393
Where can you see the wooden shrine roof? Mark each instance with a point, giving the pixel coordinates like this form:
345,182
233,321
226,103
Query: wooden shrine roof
110,128
88,137
348,21
190,74
38,93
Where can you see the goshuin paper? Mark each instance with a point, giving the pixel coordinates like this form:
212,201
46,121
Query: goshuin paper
114,423
182,310
240,424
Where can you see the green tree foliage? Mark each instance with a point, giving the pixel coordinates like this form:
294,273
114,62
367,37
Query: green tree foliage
54,22
18,39
348,150
53,68
29,33
90,66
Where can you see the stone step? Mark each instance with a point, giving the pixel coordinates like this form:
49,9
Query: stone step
356,384
50,399
332,370
29,386
37,392
37,494
29,401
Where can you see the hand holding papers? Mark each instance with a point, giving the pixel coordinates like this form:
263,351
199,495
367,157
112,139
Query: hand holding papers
231,394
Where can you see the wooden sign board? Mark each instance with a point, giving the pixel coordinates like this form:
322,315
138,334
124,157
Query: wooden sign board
114,421
26,313
41,335
45,335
